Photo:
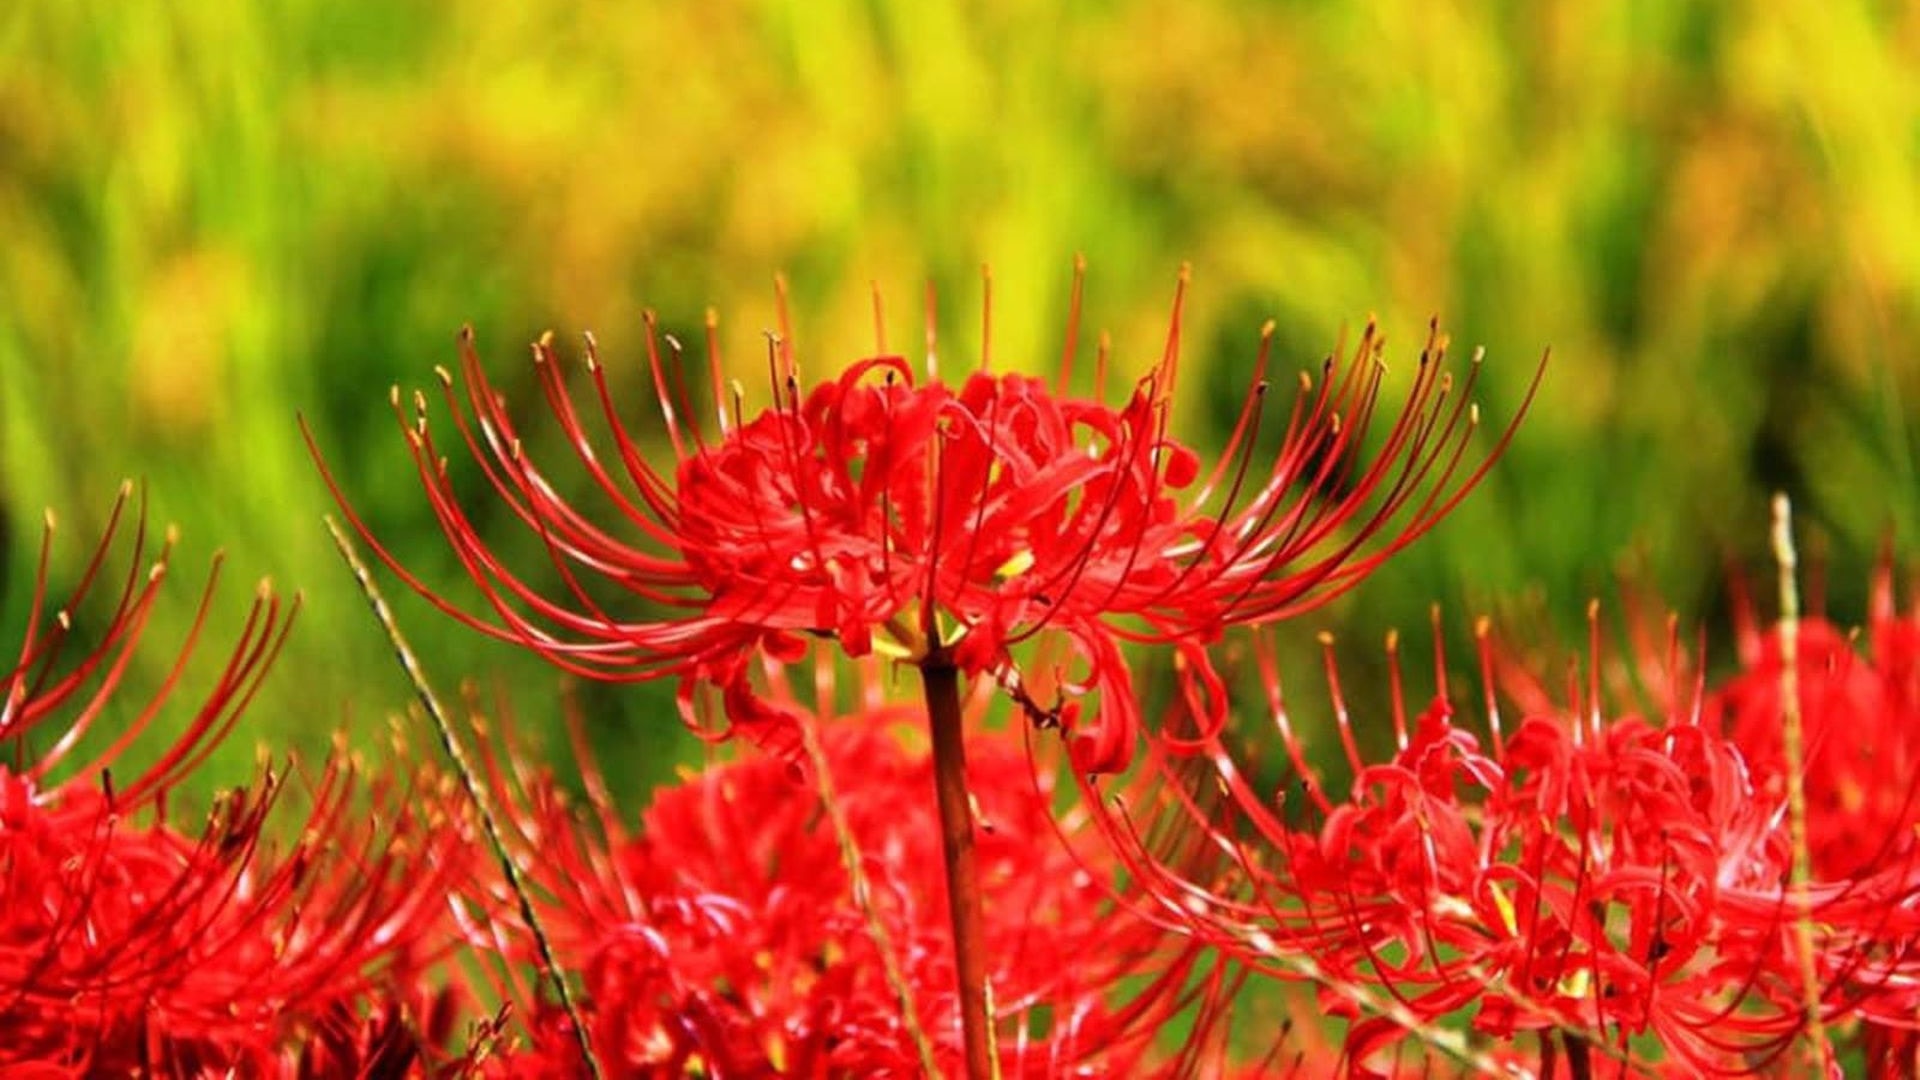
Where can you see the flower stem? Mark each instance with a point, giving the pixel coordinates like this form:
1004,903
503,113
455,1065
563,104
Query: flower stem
476,794
1579,1059
941,681
1793,742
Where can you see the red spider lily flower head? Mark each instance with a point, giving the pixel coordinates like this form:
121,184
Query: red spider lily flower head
726,937
129,945
1616,886
1861,719
943,524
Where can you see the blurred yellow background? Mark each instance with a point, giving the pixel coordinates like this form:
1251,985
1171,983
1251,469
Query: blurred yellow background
215,215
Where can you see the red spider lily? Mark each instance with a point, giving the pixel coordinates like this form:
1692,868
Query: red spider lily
1860,722
1861,717
943,524
725,935
1619,887
129,946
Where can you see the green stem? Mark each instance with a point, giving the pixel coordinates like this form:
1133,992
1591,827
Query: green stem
476,794
1794,743
941,681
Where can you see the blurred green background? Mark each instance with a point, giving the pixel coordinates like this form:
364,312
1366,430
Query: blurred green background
215,215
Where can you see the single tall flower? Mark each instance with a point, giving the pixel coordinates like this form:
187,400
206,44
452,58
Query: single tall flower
944,526
940,524
131,945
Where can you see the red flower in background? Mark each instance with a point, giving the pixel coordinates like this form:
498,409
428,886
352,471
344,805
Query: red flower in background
1861,718
943,524
1619,884
725,937
1860,725
129,945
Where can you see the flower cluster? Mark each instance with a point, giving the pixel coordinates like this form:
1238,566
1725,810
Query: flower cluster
1620,883
999,531
1861,715
1642,872
130,945
726,937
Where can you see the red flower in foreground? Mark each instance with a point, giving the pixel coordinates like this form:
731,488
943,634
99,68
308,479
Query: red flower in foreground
724,936
943,524
1620,887
129,946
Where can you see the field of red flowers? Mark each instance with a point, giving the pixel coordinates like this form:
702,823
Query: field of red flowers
921,630
948,828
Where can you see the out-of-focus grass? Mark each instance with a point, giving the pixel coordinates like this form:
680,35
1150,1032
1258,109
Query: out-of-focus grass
216,215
